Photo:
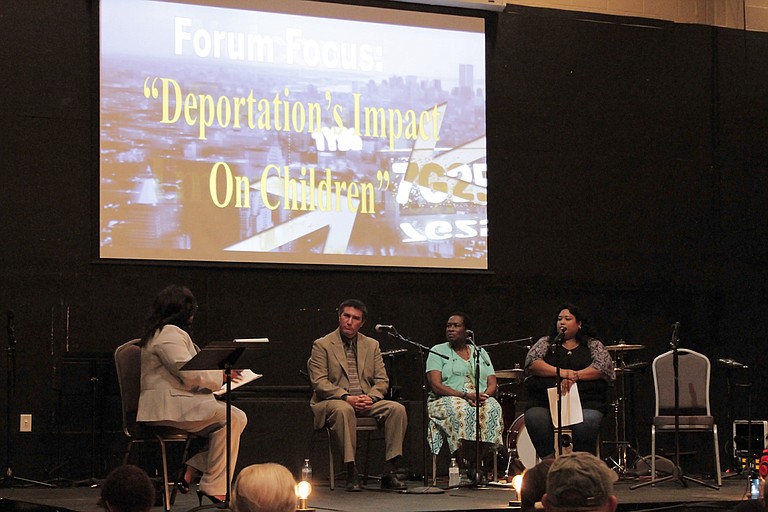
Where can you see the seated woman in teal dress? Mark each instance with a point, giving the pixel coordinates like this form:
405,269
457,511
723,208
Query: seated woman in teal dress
453,397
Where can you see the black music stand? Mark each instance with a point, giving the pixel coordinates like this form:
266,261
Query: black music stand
226,355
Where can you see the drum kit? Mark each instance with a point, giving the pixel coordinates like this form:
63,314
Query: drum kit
620,463
521,454
520,451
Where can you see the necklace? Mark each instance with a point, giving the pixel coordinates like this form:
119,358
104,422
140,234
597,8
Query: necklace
569,350
463,352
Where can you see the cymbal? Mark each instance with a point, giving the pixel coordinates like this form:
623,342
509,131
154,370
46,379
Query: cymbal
632,367
624,346
514,374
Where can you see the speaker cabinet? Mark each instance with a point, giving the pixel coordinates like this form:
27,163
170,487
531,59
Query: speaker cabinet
748,437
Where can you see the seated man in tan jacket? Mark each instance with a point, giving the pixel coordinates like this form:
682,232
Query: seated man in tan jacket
349,380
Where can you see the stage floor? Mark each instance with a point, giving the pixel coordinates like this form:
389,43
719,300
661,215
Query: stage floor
670,494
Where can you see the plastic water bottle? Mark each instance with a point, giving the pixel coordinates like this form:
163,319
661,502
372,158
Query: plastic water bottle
306,471
454,478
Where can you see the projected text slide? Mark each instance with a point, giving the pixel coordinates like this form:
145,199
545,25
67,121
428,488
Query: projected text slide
232,135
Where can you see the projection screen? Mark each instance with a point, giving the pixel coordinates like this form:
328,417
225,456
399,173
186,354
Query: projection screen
292,132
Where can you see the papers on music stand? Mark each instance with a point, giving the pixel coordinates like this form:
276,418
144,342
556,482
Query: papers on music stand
245,377
220,354
570,406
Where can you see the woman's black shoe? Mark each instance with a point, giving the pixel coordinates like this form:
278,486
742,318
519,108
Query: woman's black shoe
182,485
213,499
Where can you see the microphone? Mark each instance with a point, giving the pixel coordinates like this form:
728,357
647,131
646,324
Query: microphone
675,339
384,328
731,364
558,338
471,340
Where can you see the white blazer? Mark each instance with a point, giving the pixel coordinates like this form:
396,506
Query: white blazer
168,394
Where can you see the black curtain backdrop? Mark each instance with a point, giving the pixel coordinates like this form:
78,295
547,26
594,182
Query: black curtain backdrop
628,162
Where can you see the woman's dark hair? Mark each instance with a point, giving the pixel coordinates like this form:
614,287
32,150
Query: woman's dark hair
174,305
464,318
584,333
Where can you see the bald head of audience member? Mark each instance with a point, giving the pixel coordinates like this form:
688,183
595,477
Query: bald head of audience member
264,488
579,482
127,489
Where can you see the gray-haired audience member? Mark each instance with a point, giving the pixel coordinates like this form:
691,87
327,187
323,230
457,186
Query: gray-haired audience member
266,487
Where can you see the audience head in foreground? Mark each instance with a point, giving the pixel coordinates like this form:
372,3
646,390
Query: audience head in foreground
264,488
534,485
579,482
127,489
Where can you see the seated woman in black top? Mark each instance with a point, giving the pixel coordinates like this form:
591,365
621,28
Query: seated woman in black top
583,359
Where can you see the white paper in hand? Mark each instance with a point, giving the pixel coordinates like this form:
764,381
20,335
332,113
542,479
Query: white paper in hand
570,409
244,378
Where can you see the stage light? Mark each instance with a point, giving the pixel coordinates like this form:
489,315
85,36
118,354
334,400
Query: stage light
303,490
517,483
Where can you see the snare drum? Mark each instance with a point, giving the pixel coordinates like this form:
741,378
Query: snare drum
519,445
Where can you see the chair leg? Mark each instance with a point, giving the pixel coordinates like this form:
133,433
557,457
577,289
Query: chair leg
717,457
495,463
180,473
368,440
367,456
127,454
653,454
434,470
331,471
166,490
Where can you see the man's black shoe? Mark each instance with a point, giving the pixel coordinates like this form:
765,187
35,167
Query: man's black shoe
390,481
353,483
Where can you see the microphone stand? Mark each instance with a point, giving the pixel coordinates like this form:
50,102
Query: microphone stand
478,463
677,472
558,381
423,350
8,474
477,349
506,433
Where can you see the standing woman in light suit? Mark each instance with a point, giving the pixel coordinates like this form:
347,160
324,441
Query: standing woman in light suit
184,399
